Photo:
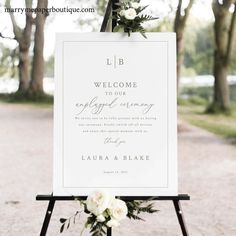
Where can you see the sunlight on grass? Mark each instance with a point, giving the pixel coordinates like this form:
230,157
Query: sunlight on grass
218,124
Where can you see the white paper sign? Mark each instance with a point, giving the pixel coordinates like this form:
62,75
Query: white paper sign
115,114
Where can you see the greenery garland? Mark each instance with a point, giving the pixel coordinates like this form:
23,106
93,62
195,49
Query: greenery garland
130,18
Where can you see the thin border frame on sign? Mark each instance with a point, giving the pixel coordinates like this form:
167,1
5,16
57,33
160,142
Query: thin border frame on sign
63,161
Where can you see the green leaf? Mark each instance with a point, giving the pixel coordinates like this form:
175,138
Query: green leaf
118,28
140,9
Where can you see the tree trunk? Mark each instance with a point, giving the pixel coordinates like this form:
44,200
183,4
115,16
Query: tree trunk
23,68
23,38
224,27
221,88
179,28
37,75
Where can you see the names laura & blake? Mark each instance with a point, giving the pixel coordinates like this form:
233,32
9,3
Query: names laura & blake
115,157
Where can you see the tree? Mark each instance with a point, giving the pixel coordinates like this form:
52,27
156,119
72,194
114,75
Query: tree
101,6
179,27
7,61
224,30
92,21
23,37
198,48
49,67
37,75
204,51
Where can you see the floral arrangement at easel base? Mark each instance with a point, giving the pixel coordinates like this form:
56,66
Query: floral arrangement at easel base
105,211
130,18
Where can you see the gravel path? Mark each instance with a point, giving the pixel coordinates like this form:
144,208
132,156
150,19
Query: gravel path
207,171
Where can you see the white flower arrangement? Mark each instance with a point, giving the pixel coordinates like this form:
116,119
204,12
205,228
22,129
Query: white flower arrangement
130,18
105,211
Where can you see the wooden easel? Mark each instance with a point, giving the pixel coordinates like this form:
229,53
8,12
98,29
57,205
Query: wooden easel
52,199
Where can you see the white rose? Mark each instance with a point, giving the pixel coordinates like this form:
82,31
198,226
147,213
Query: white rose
101,218
122,12
118,209
113,223
134,5
98,202
130,14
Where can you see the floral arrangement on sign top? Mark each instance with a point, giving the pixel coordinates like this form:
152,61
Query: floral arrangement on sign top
130,18
105,211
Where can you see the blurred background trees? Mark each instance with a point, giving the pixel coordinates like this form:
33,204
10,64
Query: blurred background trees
23,38
30,83
37,74
181,18
206,47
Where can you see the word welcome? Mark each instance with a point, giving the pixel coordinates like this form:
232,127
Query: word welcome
116,84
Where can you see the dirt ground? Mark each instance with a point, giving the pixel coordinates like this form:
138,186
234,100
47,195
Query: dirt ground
207,171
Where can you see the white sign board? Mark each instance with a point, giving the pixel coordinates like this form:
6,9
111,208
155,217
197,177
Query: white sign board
115,114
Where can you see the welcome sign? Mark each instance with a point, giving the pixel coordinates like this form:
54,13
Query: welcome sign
115,114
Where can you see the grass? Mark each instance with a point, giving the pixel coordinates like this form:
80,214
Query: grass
43,100
220,124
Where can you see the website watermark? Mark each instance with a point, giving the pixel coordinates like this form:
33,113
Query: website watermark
70,10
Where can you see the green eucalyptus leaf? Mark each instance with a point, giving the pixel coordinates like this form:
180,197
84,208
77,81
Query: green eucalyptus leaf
118,28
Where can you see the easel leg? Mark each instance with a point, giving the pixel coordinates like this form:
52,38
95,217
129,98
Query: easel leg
180,216
109,231
114,7
47,218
